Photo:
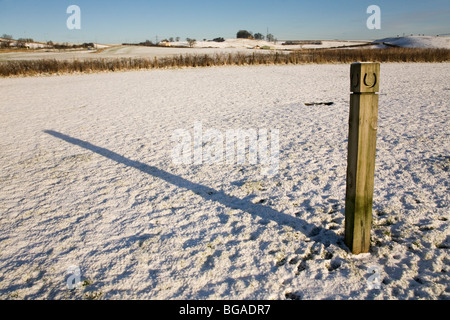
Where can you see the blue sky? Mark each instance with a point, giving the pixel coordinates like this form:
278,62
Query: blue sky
137,20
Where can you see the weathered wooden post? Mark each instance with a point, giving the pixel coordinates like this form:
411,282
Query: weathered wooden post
365,81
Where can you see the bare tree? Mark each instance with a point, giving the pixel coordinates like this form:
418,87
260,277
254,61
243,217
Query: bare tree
21,43
258,36
191,42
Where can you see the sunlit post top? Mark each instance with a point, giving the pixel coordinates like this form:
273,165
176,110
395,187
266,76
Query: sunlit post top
365,77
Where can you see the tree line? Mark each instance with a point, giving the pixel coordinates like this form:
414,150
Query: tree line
244,34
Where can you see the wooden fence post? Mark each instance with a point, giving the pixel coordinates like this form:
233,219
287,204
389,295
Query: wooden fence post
365,81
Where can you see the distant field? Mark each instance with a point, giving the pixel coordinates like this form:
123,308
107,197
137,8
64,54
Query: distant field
201,47
229,46
115,52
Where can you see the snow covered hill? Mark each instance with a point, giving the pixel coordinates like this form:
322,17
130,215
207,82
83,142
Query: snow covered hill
416,42
250,44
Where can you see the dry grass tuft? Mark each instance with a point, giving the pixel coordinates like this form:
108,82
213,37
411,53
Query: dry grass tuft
315,56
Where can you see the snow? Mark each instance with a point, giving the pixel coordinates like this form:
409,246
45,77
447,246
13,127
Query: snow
116,52
245,46
278,45
35,45
87,180
102,46
418,42
30,45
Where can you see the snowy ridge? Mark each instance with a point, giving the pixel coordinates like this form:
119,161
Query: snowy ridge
416,42
250,44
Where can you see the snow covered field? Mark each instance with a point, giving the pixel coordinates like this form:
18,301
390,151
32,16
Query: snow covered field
87,180
117,52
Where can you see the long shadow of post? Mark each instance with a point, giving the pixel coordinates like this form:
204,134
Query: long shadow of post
316,233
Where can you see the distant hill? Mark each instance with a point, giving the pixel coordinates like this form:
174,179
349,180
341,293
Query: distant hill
415,42
279,45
